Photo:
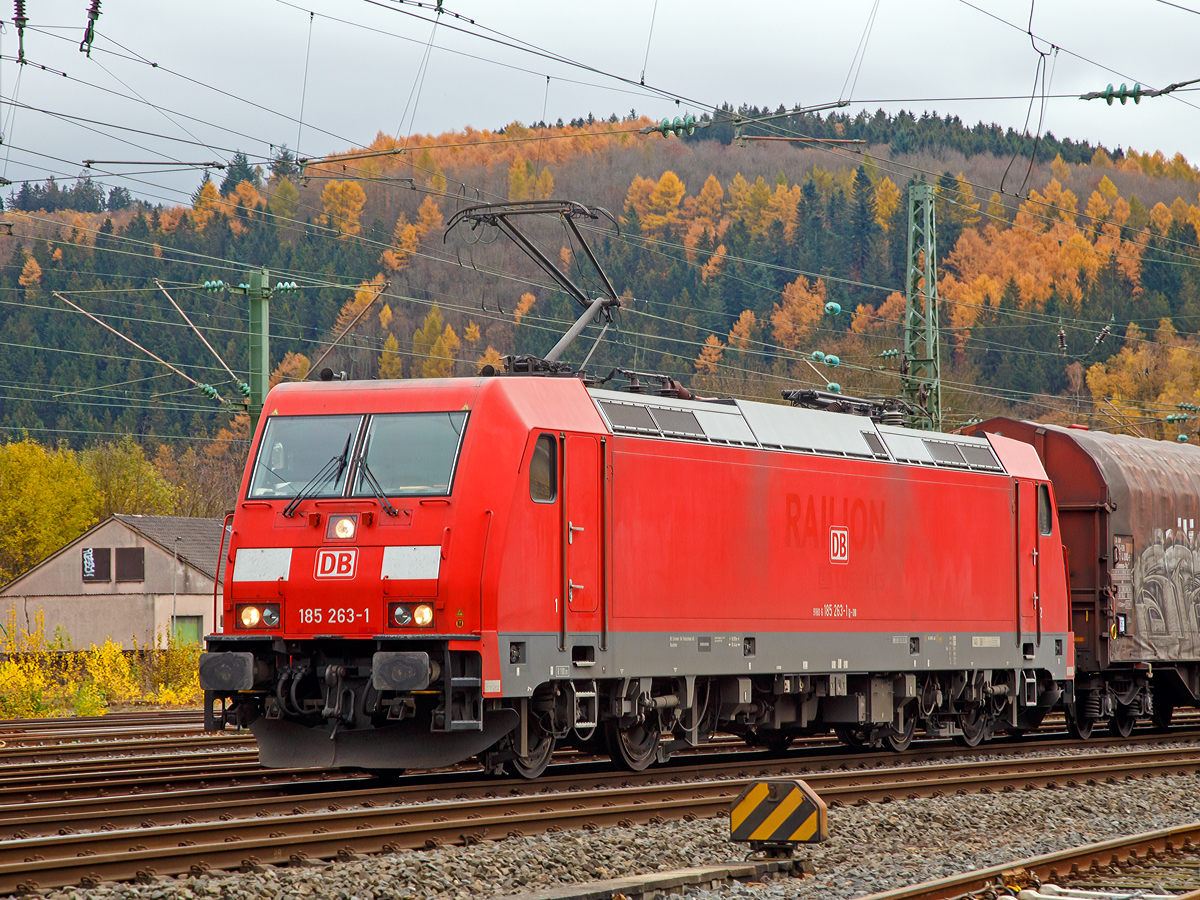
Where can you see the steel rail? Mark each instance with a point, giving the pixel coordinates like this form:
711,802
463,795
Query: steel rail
370,825
235,770
78,751
22,819
1049,866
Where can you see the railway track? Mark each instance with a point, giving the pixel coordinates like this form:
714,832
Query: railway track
90,758
1165,862
198,832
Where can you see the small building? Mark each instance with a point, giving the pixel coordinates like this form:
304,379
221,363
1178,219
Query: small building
130,577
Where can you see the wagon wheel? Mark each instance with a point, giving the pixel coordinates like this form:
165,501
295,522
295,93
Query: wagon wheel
899,740
533,765
1080,728
1122,722
973,726
774,740
633,748
1162,714
851,737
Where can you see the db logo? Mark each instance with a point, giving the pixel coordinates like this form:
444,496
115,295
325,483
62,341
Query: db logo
336,563
839,545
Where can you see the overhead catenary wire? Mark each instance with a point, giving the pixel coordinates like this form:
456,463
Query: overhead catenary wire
304,83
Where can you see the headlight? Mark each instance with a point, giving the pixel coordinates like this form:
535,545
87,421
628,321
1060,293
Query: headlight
423,615
250,616
270,616
341,528
402,615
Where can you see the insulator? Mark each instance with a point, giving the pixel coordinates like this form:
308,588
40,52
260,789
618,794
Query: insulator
664,127
677,126
1182,438
1104,332
834,388
244,388
832,308
818,356
832,360
209,391
689,125
19,16
1062,340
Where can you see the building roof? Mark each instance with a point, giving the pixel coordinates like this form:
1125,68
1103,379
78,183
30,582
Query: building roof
201,538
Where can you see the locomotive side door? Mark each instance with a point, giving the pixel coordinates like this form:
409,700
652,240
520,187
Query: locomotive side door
1028,563
581,577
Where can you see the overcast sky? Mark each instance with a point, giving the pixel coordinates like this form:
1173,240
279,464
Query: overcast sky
232,74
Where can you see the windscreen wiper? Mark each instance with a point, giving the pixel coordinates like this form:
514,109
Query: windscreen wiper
327,471
373,484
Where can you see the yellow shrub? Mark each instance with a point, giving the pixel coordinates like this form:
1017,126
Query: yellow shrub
24,690
109,668
175,674
87,699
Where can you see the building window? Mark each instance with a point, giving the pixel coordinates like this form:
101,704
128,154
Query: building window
186,629
131,564
97,564
543,470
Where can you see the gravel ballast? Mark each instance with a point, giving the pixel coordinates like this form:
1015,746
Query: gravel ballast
871,848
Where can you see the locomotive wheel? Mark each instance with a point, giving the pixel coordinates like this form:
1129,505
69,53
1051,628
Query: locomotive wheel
775,741
851,737
899,741
1080,729
535,763
1162,714
1122,722
973,728
632,748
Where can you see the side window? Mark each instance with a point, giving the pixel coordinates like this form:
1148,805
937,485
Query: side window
543,470
1044,521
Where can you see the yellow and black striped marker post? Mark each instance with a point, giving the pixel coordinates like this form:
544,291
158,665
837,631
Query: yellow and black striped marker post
778,815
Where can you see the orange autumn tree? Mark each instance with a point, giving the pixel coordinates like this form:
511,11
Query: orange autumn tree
396,258
662,204
794,319
343,202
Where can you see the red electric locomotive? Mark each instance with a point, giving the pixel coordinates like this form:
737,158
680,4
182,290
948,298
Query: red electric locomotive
425,571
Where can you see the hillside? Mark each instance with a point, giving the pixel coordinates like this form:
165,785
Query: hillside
729,252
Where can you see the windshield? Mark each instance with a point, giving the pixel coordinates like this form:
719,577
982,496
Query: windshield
411,454
295,449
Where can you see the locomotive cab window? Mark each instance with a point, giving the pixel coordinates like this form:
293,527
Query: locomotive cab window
543,470
299,452
1044,523
411,454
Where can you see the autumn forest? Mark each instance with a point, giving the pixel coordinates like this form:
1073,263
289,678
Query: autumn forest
1069,287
